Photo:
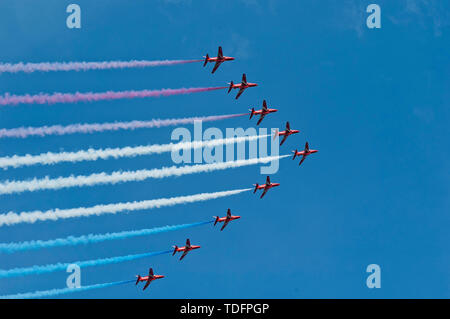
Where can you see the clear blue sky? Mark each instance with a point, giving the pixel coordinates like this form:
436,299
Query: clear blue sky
374,102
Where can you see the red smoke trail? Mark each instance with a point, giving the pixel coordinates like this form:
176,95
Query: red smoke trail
44,98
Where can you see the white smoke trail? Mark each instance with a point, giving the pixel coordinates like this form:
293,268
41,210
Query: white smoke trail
12,218
85,66
10,187
89,128
95,154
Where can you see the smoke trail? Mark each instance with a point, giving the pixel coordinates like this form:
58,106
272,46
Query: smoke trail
92,238
12,218
10,187
23,132
44,98
85,66
56,292
95,154
43,269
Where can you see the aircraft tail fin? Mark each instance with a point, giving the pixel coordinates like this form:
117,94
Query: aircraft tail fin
138,278
256,188
217,219
206,60
295,154
231,86
174,249
275,134
252,112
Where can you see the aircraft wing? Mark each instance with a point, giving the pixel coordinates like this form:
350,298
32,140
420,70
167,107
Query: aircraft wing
261,118
284,139
225,224
264,105
241,90
303,158
147,283
184,254
216,66
264,192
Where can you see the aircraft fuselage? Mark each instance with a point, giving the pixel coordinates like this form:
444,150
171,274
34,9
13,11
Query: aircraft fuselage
268,186
223,59
243,86
192,247
290,132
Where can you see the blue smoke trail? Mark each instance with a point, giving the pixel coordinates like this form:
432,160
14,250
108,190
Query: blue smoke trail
37,269
55,292
91,238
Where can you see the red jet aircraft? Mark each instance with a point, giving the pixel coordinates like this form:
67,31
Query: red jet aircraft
285,133
185,249
268,185
225,219
148,278
241,86
219,60
263,112
305,153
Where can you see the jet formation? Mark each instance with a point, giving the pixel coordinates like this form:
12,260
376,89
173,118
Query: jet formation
262,113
